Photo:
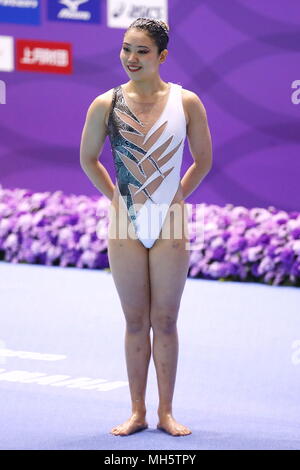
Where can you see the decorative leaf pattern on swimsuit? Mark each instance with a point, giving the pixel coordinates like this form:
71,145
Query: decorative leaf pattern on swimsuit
138,157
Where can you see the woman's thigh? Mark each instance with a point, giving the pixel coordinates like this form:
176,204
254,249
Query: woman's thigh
128,260
168,267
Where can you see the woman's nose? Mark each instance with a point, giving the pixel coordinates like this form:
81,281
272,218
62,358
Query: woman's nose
132,57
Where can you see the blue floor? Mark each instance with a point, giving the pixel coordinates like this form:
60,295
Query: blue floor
63,380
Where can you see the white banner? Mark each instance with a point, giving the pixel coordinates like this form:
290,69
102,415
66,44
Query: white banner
6,53
121,14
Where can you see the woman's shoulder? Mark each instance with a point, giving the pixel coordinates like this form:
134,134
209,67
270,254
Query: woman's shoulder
105,98
192,103
103,102
190,96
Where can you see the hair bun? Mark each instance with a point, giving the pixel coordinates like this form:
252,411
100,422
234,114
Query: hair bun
164,25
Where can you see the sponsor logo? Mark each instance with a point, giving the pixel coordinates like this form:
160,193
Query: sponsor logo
43,56
120,13
87,11
20,11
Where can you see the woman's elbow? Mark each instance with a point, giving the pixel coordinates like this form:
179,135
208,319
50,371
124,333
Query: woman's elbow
87,159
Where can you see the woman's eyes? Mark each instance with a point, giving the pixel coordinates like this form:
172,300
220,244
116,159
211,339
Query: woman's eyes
141,52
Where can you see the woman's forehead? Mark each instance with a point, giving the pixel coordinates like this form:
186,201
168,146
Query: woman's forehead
137,38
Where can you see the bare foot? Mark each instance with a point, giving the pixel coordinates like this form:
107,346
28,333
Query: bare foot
169,424
130,426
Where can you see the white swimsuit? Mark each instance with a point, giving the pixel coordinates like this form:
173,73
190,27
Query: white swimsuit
147,163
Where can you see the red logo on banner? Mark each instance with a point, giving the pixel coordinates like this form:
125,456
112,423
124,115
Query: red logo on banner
43,56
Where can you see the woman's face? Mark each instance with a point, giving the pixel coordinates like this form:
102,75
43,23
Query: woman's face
139,50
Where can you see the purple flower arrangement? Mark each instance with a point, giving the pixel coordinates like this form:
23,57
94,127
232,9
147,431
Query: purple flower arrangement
240,244
226,243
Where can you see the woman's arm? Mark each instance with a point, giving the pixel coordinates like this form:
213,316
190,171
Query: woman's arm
92,141
200,145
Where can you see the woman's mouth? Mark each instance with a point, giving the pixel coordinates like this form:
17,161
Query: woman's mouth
131,68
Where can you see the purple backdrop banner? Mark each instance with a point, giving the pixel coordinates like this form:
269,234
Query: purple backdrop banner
242,59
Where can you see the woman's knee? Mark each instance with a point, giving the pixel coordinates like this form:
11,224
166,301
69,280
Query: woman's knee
164,320
137,319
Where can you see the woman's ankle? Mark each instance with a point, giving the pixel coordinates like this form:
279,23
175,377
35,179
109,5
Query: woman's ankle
164,410
139,410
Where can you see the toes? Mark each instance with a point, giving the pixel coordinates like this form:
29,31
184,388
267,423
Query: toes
186,432
182,432
115,431
119,432
176,431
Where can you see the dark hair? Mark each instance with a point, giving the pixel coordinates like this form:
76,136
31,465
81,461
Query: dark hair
158,30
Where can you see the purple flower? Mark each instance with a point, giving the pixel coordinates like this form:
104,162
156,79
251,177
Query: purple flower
219,253
254,269
72,231
295,269
236,243
296,233
266,264
287,256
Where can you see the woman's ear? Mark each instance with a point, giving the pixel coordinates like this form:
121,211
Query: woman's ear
163,56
